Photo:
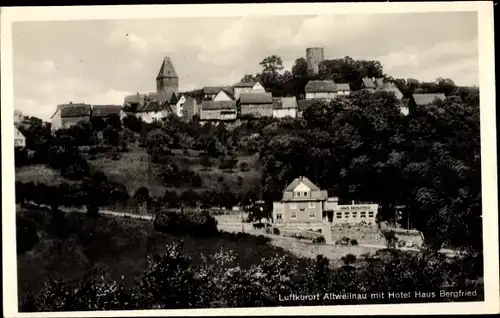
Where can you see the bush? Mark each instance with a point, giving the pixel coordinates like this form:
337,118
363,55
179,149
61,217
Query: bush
319,240
276,231
401,243
354,242
193,223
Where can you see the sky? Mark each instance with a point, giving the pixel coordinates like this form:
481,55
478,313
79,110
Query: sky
102,61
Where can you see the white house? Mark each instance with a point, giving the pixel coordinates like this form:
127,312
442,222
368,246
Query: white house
179,106
320,90
19,139
285,107
247,87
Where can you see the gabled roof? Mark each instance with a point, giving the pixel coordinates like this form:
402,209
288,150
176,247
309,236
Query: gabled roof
74,110
368,83
152,106
379,81
256,98
17,132
166,69
134,99
218,105
245,84
427,99
303,180
342,87
228,93
304,104
320,86
213,90
105,110
285,103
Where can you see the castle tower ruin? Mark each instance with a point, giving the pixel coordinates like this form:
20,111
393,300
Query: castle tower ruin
314,56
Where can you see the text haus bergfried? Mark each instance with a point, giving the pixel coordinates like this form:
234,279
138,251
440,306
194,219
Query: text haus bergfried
379,295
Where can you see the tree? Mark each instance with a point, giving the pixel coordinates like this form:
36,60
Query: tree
111,135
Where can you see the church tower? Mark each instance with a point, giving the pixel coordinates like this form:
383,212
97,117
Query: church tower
167,79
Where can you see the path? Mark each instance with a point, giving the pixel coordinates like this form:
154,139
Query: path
238,227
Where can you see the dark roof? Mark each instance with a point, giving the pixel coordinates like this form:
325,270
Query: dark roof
342,87
316,192
285,103
134,99
105,110
245,84
304,104
320,86
152,106
368,82
166,69
213,90
74,110
256,98
211,105
427,99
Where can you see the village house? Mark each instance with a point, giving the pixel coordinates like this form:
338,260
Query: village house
218,111
19,139
247,87
210,93
285,107
133,102
425,99
157,106
379,84
256,104
105,111
326,89
179,106
223,95
18,116
189,108
70,114
303,202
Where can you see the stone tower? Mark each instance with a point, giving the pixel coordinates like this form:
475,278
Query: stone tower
314,56
167,79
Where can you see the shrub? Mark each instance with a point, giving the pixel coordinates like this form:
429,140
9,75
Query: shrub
276,231
193,223
268,230
319,240
354,242
401,243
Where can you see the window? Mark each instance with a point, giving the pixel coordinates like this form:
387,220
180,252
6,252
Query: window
346,215
312,205
297,194
279,216
354,214
305,194
339,215
293,215
293,206
312,214
370,214
363,214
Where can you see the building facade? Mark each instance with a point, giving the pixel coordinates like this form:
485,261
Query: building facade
303,202
285,107
247,87
320,90
218,111
256,104
210,92
70,114
19,139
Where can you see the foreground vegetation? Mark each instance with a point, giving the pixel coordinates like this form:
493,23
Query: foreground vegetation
80,263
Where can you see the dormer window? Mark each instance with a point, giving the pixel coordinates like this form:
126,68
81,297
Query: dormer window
305,194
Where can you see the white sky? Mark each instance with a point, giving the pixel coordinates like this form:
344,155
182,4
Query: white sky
100,61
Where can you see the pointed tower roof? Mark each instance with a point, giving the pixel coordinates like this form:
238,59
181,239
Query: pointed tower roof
167,69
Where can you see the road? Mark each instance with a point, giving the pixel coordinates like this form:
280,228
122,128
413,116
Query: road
231,226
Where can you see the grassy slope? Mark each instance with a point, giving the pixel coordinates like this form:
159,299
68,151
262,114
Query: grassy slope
41,174
116,246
